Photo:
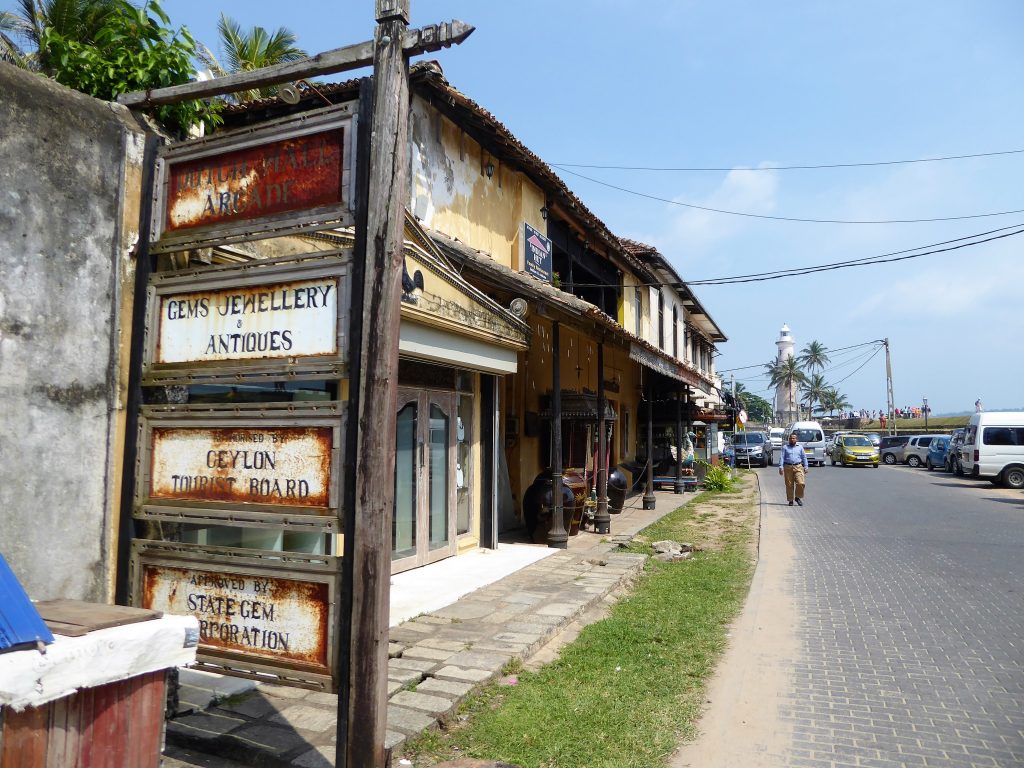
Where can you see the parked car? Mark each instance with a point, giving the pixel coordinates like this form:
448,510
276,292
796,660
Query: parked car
853,450
936,456
811,436
916,449
874,437
953,464
891,448
993,447
751,448
777,436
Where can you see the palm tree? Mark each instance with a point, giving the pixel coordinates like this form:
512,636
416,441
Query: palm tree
245,51
814,388
788,373
76,19
834,400
814,357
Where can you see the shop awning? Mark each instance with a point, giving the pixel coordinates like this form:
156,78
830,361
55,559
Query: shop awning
659,364
577,406
426,343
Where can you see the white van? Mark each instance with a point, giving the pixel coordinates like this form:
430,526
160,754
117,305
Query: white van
811,436
993,447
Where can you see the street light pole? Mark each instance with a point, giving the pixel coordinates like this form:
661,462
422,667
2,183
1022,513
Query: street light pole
925,413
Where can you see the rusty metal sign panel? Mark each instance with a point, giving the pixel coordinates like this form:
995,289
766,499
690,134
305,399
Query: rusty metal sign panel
260,613
285,317
257,465
289,175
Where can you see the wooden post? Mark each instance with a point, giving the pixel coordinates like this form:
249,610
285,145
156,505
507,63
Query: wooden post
679,439
649,499
558,537
370,549
602,520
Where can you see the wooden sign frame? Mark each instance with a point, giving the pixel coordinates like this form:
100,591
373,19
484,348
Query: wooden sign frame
338,214
265,273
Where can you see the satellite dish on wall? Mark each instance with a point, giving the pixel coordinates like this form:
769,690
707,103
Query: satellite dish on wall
519,307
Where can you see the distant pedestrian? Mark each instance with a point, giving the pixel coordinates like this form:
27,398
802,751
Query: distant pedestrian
793,468
978,408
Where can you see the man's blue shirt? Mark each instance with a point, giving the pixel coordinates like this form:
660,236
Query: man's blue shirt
793,454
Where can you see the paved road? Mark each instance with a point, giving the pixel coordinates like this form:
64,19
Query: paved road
885,628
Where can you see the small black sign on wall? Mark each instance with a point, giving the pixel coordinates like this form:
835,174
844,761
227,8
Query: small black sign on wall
536,254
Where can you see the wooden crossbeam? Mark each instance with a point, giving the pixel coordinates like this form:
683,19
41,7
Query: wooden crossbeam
414,42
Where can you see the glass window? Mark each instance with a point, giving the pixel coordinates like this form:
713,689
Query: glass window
439,426
463,465
998,436
808,435
403,524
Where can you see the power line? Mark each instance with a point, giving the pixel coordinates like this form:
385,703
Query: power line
828,350
792,167
747,214
847,265
879,349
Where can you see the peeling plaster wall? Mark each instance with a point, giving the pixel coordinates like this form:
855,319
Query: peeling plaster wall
450,191
70,178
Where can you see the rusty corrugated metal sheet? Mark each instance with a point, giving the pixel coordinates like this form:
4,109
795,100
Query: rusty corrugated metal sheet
277,619
280,176
280,465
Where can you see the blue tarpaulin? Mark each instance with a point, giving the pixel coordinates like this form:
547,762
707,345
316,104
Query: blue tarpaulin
20,623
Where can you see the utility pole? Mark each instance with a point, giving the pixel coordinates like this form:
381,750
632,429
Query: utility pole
925,413
891,399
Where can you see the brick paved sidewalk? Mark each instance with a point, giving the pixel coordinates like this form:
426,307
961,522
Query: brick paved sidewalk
442,654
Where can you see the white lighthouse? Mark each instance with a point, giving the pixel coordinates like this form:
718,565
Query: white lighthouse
786,397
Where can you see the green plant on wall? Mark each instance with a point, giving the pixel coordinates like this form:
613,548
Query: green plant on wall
134,49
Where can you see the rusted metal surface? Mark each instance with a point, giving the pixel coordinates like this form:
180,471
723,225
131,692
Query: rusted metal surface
261,613
284,465
285,175
281,320
285,317
251,465
264,616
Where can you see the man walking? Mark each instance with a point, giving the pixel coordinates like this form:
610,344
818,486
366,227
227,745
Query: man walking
793,466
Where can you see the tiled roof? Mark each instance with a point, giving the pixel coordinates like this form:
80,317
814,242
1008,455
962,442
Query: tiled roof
486,267
427,79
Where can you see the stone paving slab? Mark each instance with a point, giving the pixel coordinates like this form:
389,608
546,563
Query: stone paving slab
435,659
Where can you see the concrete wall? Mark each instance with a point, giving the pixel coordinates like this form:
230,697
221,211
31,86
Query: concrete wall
70,175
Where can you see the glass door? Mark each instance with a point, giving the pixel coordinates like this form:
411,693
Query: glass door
423,524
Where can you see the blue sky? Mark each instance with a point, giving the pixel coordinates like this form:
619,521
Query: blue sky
743,85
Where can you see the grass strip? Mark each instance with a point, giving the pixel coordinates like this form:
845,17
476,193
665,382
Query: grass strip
632,684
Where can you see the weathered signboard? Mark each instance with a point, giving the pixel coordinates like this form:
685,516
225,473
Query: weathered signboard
286,317
290,175
537,258
259,613
257,465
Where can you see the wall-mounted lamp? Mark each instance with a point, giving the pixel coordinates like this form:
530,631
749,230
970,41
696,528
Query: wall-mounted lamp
489,169
544,211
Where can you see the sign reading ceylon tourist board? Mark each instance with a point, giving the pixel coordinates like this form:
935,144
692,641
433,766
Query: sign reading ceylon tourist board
285,317
289,175
265,464
261,614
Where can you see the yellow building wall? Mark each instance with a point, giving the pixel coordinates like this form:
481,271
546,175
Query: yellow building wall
451,192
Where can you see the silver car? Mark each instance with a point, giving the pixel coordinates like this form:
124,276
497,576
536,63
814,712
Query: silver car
751,448
916,449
